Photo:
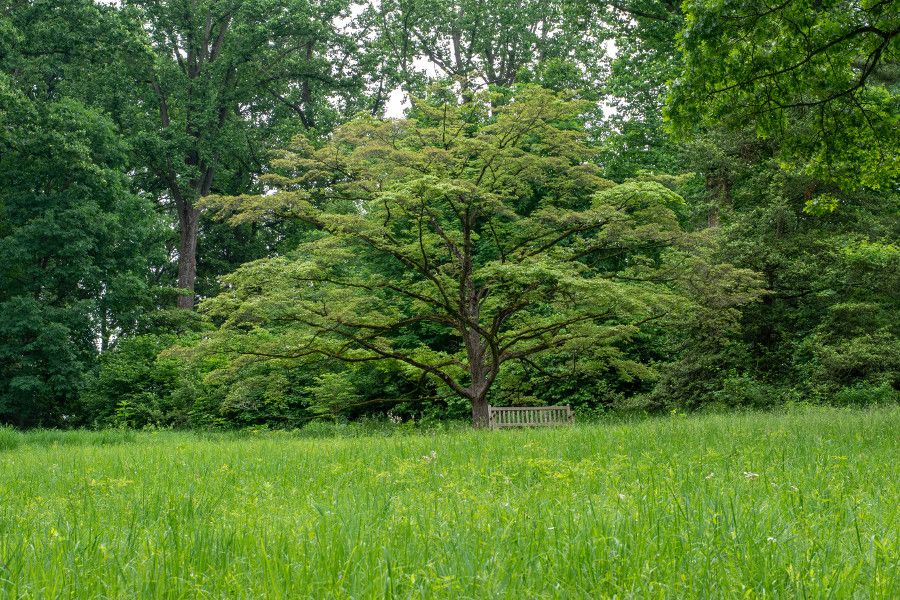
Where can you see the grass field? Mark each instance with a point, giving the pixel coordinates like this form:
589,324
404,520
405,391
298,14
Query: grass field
803,505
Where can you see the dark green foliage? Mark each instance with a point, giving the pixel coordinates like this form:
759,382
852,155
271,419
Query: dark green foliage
209,85
75,250
136,387
143,382
865,394
633,136
138,384
484,45
828,317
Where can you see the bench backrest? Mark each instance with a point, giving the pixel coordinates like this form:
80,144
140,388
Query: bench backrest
529,416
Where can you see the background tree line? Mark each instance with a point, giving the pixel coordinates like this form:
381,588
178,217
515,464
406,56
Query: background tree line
637,205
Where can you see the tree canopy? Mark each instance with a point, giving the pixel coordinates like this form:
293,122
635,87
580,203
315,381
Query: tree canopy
455,242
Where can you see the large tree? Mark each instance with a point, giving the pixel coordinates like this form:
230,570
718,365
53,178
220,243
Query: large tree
453,243
76,245
208,76
75,251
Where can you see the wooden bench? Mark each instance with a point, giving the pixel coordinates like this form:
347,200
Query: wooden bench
529,416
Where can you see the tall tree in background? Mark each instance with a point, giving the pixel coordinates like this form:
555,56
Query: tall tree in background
76,246
769,199
646,61
812,263
209,75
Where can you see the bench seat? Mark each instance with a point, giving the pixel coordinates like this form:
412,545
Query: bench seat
529,416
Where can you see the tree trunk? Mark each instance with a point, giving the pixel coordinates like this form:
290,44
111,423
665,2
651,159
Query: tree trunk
480,412
718,190
188,220
713,192
478,387
104,325
712,217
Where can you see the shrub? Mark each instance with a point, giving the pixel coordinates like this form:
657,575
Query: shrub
864,394
744,391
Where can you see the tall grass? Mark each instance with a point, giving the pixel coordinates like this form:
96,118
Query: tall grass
9,438
803,505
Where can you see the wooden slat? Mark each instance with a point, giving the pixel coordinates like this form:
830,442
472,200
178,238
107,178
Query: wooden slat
530,416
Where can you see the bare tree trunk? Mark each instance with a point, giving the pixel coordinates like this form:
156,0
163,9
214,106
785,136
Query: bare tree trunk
478,372
480,384
188,220
480,412
200,50
104,325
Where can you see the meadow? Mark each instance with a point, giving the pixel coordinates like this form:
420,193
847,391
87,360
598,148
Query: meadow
801,504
